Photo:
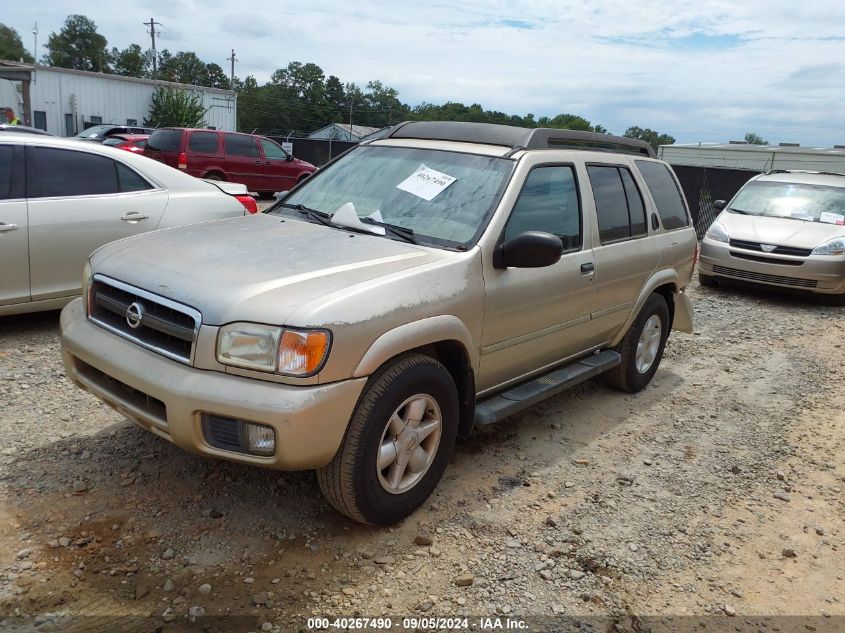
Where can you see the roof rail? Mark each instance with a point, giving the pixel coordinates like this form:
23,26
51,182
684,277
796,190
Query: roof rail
804,171
518,138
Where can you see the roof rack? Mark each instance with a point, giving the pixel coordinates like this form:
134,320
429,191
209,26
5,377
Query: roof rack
804,171
518,138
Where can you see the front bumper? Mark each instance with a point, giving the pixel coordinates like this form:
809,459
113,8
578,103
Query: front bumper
169,398
820,274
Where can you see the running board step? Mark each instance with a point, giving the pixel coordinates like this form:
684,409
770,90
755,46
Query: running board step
529,393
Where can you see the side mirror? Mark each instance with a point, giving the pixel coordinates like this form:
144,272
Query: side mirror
289,157
719,204
532,249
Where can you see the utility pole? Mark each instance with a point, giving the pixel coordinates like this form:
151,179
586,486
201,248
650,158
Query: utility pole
351,101
35,44
152,24
232,59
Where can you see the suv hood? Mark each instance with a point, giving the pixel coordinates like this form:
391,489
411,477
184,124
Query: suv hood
779,231
260,268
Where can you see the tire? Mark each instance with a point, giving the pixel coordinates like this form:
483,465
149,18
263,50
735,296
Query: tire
629,376
214,176
353,483
707,280
266,195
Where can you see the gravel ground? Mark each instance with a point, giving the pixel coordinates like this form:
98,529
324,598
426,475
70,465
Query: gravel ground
717,491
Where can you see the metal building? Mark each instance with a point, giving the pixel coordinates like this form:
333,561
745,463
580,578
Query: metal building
755,157
64,102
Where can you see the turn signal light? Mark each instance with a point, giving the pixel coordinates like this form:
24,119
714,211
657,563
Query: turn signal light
182,161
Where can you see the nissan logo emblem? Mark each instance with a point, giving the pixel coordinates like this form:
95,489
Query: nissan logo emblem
768,248
134,315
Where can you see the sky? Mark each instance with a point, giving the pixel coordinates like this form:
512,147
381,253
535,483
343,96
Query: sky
705,71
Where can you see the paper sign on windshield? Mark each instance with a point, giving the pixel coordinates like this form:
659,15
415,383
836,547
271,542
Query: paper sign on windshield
426,183
832,218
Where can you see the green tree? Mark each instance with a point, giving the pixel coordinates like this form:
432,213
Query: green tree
567,122
177,108
755,139
184,67
655,139
11,46
216,77
130,62
79,46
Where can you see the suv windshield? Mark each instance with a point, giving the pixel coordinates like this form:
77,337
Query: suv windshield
796,201
443,197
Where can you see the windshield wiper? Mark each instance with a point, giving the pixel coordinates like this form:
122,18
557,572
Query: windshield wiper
399,231
740,211
314,214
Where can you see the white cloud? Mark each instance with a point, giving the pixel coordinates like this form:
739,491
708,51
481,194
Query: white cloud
708,70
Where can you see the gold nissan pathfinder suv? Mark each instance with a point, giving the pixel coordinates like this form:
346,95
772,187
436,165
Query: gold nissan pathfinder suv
444,276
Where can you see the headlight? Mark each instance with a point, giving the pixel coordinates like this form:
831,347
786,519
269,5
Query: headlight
836,246
718,232
86,288
273,349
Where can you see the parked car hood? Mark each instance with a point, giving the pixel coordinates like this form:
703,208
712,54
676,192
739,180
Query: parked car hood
260,268
779,231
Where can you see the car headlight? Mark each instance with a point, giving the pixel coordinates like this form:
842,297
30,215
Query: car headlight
718,232
86,288
836,246
273,349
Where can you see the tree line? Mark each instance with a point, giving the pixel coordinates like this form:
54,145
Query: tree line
296,100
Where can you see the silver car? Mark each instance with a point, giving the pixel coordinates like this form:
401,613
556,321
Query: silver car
783,229
61,199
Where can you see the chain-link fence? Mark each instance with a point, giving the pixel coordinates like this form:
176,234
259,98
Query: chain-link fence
704,185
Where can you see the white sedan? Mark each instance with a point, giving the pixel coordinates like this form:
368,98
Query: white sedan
61,199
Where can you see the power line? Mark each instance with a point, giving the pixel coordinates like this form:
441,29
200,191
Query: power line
152,24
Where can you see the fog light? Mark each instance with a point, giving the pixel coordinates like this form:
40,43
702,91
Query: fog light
260,439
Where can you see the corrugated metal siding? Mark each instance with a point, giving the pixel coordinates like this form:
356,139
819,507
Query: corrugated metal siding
114,100
758,159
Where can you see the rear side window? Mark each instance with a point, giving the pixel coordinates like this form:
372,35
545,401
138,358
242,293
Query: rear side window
203,142
60,172
130,180
619,206
6,163
667,196
165,140
240,145
548,202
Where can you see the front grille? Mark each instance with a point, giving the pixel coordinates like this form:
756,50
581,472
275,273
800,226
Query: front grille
772,279
778,250
160,324
122,392
767,260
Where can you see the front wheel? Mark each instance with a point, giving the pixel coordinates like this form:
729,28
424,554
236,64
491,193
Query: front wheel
642,347
398,443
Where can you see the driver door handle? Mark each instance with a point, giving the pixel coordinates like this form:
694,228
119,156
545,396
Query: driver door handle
134,216
5,228
588,269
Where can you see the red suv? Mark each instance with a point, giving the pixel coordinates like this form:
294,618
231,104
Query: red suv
255,161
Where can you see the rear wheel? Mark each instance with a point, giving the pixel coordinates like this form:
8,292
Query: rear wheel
398,443
214,176
642,347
